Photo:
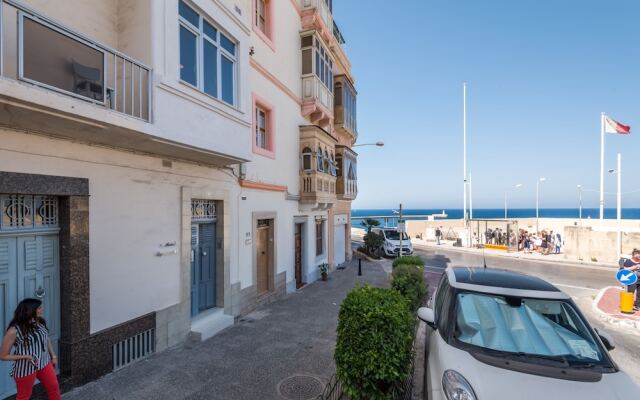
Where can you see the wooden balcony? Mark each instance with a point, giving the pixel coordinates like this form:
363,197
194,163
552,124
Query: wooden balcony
318,188
347,182
316,14
318,167
344,111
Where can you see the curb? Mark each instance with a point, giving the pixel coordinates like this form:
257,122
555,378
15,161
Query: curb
633,325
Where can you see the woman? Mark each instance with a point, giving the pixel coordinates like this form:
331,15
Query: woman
33,354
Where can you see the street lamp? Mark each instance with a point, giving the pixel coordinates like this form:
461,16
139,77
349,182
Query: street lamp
505,198
580,203
618,172
538,201
378,144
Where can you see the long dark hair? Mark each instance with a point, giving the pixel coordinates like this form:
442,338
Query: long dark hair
25,317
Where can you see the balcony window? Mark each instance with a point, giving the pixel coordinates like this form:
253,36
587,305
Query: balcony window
345,103
53,58
320,161
208,56
306,159
317,60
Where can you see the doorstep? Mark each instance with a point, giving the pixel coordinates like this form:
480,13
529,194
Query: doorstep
210,322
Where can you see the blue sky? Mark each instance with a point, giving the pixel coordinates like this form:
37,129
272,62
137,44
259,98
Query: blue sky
539,72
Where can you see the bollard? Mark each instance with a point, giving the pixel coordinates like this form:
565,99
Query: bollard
626,302
359,266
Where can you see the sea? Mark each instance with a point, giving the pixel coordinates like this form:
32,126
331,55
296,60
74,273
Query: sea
495,213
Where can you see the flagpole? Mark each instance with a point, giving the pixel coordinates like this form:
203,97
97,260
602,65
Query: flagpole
619,208
601,167
464,151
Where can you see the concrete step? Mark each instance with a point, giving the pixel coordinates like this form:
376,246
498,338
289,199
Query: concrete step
209,323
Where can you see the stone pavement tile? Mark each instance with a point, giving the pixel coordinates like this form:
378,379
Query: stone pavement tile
293,336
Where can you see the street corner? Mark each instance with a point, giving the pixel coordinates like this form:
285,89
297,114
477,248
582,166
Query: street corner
606,305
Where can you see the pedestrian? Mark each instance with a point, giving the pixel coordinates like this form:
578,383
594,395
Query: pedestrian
33,356
438,234
633,264
558,243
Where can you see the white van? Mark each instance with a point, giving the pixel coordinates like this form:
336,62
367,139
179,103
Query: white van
391,244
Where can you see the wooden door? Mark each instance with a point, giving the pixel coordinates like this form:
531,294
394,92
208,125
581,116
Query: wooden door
262,259
203,271
298,256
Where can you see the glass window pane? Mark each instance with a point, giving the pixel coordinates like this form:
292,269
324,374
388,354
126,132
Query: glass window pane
188,57
307,62
210,31
227,80
188,13
62,62
227,44
210,69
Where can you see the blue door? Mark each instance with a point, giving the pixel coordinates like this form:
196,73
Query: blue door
29,267
203,272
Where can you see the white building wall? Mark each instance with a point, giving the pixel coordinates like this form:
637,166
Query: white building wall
135,205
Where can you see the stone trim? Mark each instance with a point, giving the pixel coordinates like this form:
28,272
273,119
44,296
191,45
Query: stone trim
15,182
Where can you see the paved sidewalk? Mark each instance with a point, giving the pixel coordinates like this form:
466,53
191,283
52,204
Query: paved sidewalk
294,336
607,307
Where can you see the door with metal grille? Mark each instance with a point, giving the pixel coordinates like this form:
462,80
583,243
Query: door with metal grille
29,264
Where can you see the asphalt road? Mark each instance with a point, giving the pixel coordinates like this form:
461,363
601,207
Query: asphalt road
582,283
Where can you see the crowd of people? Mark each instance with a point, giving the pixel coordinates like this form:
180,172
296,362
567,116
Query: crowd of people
542,243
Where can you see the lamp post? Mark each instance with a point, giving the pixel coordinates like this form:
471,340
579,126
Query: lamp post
538,202
618,172
580,204
378,144
505,198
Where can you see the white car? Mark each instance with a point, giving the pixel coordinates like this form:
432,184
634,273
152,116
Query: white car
391,244
502,335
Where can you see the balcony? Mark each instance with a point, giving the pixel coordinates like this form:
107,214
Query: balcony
41,52
316,14
337,34
319,169
345,117
317,81
347,182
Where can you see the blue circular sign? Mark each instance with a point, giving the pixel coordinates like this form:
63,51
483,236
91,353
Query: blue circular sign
627,277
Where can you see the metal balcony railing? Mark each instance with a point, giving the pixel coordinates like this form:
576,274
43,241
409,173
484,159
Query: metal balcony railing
41,51
337,34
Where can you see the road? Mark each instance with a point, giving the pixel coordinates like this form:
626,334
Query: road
582,283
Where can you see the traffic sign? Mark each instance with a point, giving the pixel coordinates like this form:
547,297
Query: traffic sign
627,277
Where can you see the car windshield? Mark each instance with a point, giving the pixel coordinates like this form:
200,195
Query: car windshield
395,235
534,328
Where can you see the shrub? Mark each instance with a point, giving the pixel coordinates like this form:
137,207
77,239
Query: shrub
373,350
409,281
372,241
408,260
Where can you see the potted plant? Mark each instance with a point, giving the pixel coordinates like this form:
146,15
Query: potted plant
324,269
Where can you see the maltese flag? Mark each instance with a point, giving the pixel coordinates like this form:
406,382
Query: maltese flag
613,126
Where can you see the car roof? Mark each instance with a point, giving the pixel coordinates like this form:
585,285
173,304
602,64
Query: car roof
502,282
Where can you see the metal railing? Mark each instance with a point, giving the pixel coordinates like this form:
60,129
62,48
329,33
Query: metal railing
117,82
337,34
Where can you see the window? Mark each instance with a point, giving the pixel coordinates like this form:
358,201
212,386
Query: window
317,60
306,159
319,237
319,160
208,57
263,131
345,96
263,20
261,128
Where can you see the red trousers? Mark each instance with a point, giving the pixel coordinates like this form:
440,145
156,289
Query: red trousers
48,379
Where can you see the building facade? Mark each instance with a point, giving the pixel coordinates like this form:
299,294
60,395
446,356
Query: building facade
167,166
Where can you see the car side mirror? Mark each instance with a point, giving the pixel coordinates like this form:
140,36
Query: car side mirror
607,340
426,314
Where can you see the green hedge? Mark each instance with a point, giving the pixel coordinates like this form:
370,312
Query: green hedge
408,260
373,350
409,281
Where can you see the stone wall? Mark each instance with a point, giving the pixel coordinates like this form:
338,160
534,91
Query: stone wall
589,244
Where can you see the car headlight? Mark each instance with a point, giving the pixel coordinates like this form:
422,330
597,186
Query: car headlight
455,387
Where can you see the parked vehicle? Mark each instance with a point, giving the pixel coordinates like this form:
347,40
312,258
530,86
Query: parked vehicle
391,244
499,334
